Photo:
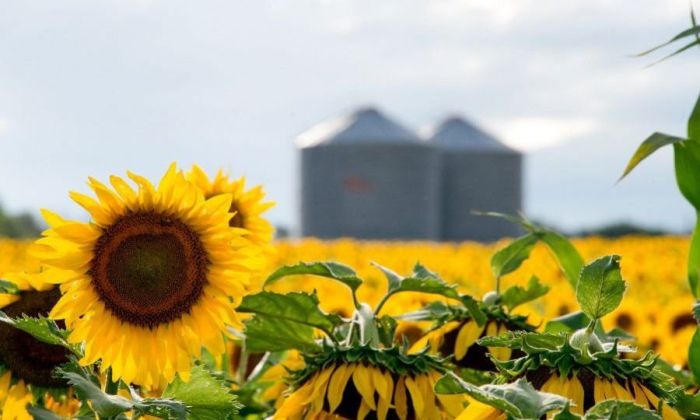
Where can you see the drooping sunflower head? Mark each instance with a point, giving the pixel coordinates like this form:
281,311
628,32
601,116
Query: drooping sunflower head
151,279
553,365
27,364
247,205
361,382
458,338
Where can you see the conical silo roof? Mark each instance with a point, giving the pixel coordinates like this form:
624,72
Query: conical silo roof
365,125
456,133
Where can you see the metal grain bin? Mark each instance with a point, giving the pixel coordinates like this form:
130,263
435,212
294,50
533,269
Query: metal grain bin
477,173
365,176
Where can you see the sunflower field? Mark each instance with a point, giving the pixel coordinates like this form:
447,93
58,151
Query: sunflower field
171,300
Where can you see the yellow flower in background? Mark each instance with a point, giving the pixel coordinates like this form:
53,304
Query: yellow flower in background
358,390
26,362
247,206
151,279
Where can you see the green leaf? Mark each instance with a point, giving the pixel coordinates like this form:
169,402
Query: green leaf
516,295
41,328
386,325
284,321
531,343
619,410
694,260
648,147
688,406
518,399
696,311
694,355
509,258
39,413
365,320
694,120
472,306
8,287
105,405
421,280
296,307
600,287
567,323
687,162
684,34
204,396
331,270
569,260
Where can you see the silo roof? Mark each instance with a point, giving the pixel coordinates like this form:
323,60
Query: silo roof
365,125
456,133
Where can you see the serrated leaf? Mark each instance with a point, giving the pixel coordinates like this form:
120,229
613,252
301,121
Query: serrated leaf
510,257
531,343
41,328
569,260
600,287
421,280
284,321
519,399
204,396
647,148
619,410
39,413
516,295
105,405
331,270
298,307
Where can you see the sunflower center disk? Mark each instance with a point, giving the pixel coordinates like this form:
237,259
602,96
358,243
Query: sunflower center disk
149,268
27,357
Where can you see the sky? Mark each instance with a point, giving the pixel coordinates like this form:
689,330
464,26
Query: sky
92,88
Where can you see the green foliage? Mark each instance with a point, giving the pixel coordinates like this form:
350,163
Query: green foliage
9,288
41,328
694,355
509,258
564,252
18,226
285,321
516,295
600,287
647,148
331,270
611,410
204,396
518,399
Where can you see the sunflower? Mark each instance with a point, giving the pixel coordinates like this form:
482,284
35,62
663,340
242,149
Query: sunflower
152,279
458,338
376,384
27,363
247,206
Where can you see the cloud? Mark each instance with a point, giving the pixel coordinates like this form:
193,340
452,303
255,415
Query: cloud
533,133
4,125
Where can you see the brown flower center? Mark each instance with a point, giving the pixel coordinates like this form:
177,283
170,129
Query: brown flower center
27,357
149,268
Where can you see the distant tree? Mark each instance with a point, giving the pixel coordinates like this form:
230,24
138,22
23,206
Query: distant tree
22,225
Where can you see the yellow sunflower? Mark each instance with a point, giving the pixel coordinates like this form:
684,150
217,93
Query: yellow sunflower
151,279
247,206
359,390
459,338
27,363
586,389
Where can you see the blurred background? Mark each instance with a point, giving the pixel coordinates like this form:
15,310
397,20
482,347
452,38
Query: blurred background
95,88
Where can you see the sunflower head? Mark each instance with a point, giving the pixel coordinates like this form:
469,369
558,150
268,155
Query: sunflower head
361,381
26,363
552,364
151,279
247,205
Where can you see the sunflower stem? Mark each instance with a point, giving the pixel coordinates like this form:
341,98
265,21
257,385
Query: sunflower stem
242,365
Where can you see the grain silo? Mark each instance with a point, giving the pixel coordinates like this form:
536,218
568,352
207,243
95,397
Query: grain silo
477,173
365,176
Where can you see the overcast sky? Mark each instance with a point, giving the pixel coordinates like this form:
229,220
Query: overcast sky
98,87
